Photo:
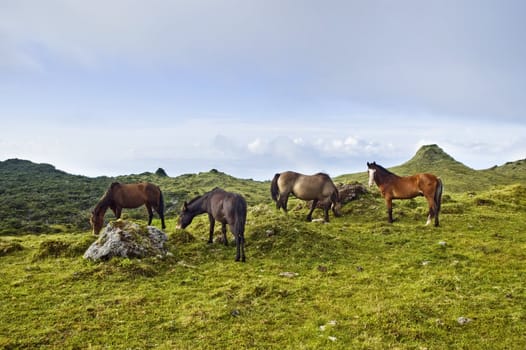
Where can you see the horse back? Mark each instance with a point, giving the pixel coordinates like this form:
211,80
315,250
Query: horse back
311,187
135,195
406,187
227,207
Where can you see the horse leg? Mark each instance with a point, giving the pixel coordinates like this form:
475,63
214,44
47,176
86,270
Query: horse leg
223,231
389,203
117,211
313,206
283,200
161,215
212,224
432,211
326,210
150,214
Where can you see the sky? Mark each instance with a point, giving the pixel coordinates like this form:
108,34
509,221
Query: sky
255,87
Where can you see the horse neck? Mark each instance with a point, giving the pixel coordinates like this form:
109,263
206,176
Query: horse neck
382,176
198,205
104,203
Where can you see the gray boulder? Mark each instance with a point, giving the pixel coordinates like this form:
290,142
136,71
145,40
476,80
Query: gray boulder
128,240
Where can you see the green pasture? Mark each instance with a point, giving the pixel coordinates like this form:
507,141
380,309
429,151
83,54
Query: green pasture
354,283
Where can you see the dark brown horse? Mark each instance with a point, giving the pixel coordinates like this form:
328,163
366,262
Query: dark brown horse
225,207
119,196
393,186
315,188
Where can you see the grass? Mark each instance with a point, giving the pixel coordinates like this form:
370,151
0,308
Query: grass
356,283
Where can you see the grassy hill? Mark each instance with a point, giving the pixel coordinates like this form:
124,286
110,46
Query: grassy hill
355,283
456,176
37,198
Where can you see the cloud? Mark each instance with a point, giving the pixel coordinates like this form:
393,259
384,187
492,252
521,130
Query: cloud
445,57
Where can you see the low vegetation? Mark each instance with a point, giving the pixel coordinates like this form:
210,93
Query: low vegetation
357,282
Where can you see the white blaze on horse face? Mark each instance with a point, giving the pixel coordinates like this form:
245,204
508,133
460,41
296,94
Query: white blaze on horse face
371,176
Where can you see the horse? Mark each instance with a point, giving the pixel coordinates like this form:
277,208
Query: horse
315,188
226,207
393,186
119,196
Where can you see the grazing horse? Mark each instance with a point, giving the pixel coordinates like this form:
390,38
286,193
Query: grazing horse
393,186
119,196
225,207
315,188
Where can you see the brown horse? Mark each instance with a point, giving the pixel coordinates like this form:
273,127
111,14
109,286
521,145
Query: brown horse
119,196
315,188
225,207
393,186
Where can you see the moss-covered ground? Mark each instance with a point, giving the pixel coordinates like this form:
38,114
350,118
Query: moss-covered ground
354,283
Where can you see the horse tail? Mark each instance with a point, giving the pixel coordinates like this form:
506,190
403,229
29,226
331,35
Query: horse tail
274,190
239,226
241,216
336,201
161,203
438,195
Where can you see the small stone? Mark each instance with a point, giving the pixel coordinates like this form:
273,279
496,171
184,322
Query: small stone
463,320
235,313
289,274
322,268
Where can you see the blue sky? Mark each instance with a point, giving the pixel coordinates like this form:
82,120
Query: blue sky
252,88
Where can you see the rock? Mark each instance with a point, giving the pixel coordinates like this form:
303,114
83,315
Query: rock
347,193
463,320
289,274
350,192
128,240
322,268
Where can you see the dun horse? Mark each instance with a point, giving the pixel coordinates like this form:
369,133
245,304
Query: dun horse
119,196
318,188
225,207
393,186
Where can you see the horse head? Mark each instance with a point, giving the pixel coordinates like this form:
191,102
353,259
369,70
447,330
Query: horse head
96,221
371,168
185,218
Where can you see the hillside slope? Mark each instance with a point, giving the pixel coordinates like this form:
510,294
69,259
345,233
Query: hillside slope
38,198
456,176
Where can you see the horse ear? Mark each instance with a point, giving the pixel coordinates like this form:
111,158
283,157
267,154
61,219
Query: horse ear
185,206
368,164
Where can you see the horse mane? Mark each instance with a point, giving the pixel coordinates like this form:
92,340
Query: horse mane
384,169
194,200
325,175
107,197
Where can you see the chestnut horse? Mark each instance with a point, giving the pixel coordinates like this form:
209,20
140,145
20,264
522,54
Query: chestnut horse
315,188
393,186
119,196
225,207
